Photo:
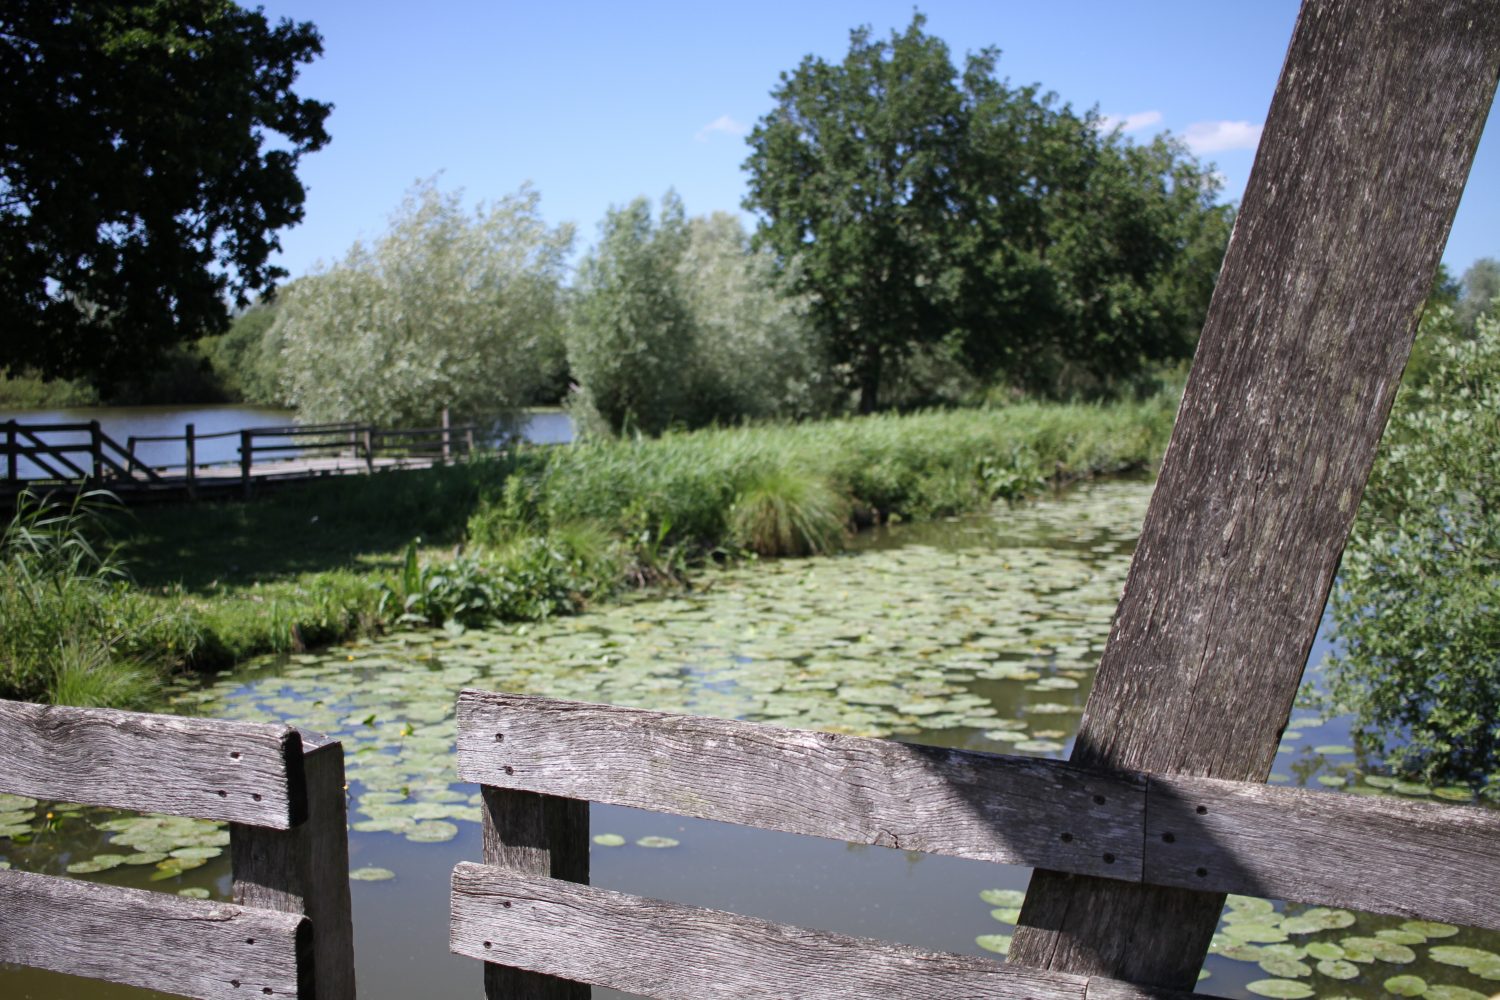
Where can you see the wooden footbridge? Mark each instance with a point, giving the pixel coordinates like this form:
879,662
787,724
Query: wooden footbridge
1161,810
82,455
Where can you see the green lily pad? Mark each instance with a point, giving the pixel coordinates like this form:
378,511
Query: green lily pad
999,943
1285,968
1003,897
1405,986
1333,749
1006,914
1461,957
1338,969
1324,951
372,874
1452,993
1285,989
194,892
13,803
197,853
431,832
657,842
609,840
1430,929
1401,936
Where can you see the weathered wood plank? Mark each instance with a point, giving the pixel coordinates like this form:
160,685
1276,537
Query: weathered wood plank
195,948
940,801
670,950
536,835
243,772
1415,859
1364,155
305,870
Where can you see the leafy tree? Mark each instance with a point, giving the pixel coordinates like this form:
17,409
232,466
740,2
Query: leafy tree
1417,601
926,207
1480,290
136,192
678,322
446,309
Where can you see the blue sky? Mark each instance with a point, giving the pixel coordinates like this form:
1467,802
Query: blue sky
597,103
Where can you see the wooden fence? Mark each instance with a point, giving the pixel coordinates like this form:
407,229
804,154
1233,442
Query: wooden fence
82,454
540,761
288,934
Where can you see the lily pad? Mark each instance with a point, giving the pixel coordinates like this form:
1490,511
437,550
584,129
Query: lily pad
1452,993
1430,929
1285,989
1006,914
1405,986
431,832
372,874
609,840
999,943
1338,969
1003,897
1285,968
657,842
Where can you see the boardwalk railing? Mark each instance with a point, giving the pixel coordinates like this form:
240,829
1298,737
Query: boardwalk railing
82,453
530,915
288,934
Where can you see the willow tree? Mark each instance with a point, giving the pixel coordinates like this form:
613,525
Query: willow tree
447,309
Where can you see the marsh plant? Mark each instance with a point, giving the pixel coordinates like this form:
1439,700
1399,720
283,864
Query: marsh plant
62,601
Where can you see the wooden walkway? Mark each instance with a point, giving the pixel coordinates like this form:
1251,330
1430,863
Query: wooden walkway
82,455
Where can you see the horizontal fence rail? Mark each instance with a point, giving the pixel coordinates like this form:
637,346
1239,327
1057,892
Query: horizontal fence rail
153,940
670,950
281,791
245,772
1408,858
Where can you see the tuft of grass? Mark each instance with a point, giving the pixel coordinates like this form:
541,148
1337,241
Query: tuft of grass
782,511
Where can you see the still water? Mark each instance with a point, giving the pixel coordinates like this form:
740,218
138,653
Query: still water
976,632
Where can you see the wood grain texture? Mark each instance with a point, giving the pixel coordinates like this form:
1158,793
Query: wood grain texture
1415,859
305,870
991,807
1362,161
535,835
194,948
243,772
670,951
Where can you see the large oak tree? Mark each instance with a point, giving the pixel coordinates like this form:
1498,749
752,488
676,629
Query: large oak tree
148,153
923,206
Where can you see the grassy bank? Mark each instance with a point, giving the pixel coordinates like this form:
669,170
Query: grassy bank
541,532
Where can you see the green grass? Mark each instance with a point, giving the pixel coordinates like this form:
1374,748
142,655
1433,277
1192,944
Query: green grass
537,533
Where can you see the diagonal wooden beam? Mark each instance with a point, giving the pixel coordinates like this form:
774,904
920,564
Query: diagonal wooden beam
1364,156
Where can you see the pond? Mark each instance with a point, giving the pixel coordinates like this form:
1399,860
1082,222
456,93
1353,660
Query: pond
977,632
124,422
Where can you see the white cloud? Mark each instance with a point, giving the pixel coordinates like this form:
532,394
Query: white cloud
1217,137
1130,123
724,124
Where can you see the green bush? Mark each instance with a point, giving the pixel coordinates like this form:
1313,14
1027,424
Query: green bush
783,511
1417,602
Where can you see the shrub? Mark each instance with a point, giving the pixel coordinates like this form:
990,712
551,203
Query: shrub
783,511
1416,605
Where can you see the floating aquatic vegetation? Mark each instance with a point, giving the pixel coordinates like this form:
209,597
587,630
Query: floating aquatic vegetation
372,874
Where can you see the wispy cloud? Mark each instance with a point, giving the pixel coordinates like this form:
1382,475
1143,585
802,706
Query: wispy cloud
724,124
1130,123
1217,137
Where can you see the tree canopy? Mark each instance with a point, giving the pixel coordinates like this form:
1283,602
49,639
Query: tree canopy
447,309
148,154
926,206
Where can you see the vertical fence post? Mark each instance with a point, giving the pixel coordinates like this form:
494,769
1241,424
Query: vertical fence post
245,436
190,440
11,471
369,437
447,450
540,835
306,869
469,442
96,449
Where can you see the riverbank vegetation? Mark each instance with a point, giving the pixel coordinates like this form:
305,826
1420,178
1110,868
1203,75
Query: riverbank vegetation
1416,607
517,537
